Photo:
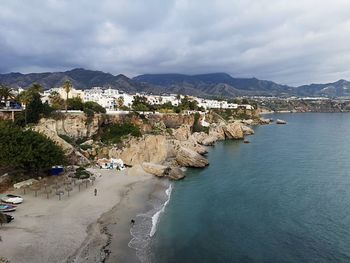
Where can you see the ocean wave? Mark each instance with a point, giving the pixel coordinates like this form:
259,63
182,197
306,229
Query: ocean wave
155,217
146,223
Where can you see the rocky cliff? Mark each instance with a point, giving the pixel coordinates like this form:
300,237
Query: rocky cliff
159,154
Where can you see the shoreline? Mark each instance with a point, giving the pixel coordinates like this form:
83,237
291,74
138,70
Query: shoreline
49,230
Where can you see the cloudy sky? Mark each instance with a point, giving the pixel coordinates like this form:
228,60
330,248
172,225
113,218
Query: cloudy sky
288,41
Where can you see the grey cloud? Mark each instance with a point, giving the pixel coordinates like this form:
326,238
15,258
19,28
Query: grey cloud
291,42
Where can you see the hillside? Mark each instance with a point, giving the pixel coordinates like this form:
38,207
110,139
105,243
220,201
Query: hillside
204,85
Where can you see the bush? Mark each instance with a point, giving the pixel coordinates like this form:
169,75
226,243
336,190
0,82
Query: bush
27,149
115,132
75,103
85,147
81,173
95,107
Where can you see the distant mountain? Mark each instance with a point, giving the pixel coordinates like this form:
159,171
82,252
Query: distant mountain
216,84
339,88
205,85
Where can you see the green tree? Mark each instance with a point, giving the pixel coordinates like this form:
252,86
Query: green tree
67,86
94,106
27,149
120,102
140,103
6,93
75,103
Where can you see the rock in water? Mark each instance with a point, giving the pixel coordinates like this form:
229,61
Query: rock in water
175,173
278,121
190,158
233,131
247,130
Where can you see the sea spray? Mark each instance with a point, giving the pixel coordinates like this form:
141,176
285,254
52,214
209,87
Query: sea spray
146,223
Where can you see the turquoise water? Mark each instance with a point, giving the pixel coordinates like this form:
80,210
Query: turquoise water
285,197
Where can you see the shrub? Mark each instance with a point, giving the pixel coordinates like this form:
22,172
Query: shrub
115,132
94,106
85,147
27,149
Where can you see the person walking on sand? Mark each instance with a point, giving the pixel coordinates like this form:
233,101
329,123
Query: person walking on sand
95,191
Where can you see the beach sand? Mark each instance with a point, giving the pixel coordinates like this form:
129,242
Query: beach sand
75,229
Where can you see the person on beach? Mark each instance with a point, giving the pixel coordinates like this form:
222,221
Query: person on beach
132,221
95,191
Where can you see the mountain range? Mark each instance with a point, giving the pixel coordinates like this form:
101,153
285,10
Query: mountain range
204,85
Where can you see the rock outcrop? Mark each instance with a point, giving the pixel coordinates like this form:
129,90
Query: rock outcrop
278,121
175,173
189,158
155,169
264,121
203,138
74,156
247,130
216,131
233,131
149,148
75,126
182,133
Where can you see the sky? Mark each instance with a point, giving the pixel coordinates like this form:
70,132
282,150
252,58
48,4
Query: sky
291,42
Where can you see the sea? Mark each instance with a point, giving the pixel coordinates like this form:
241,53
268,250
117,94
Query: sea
284,197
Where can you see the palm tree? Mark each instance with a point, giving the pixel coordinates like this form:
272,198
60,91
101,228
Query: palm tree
67,86
120,102
6,93
25,98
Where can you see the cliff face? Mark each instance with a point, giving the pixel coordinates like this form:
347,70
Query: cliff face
79,126
178,148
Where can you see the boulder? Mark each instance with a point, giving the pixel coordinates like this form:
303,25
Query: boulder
217,132
175,173
155,169
278,121
209,141
193,146
247,130
189,158
248,122
264,121
199,137
233,131
182,133
203,138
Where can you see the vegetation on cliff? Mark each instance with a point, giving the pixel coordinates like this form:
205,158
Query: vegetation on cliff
27,149
114,133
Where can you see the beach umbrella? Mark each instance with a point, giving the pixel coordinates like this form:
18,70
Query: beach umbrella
47,191
59,193
3,218
35,188
25,187
56,187
93,178
86,181
79,184
68,189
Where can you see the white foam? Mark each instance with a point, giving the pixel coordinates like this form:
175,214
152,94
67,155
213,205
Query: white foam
155,217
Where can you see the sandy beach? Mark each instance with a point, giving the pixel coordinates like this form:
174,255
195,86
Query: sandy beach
75,228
